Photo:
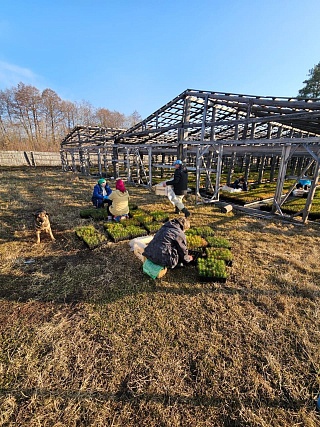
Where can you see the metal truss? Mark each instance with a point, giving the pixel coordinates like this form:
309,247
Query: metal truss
202,128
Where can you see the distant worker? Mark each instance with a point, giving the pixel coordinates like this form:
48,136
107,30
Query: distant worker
168,248
180,186
101,193
240,183
304,183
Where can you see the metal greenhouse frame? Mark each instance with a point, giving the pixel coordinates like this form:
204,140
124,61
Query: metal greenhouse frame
206,129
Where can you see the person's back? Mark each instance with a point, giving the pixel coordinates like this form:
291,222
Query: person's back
180,181
120,200
169,246
240,183
180,186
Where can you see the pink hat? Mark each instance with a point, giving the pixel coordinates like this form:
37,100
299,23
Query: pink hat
120,186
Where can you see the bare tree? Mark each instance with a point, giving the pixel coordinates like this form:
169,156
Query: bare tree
133,119
111,119
4,136
69,111
53,114
27,108
85,114
30,119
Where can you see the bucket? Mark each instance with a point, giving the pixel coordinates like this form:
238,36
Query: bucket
138,245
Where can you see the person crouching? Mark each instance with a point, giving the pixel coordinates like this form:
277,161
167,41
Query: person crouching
119,208
168,248
101,193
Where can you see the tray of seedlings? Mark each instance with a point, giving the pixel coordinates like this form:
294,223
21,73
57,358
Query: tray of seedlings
125,230
196,242
144,218
218,242
212,270
136,231
91,236
160,216
134,228
223,254
204,231
137,212
153,227
94,213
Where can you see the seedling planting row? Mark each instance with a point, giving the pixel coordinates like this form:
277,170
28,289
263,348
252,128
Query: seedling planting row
140,223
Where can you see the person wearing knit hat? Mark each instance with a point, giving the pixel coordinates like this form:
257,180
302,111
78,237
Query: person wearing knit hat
120,201
180,186
120,186
101,193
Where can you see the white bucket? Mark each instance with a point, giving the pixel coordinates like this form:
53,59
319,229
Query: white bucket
138,245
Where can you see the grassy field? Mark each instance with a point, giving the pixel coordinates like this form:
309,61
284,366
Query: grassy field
88,340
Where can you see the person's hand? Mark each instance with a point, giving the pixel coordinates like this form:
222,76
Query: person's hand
191,258
164,184
105,197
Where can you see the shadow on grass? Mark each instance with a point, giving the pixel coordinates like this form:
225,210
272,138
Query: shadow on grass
88,276
128,396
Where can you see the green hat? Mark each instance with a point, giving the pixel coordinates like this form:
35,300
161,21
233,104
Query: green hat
101,181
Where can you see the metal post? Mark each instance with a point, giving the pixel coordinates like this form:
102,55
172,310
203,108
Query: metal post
281,178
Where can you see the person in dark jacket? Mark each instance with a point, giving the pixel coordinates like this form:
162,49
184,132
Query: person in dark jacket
180,185
168,248
240,183
101,192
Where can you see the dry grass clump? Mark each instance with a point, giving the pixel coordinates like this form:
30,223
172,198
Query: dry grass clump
87,340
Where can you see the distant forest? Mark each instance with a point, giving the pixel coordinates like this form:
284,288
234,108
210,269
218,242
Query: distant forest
36,120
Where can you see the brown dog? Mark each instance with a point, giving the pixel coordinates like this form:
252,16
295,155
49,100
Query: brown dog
42,223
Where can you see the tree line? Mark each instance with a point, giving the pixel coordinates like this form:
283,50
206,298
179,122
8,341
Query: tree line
36,120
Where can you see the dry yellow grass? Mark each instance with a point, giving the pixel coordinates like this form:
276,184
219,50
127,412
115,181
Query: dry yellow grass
88,340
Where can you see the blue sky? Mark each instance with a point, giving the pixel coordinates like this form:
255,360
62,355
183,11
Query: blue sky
128,55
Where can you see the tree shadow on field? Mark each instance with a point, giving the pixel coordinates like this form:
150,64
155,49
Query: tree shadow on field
108,274
127,395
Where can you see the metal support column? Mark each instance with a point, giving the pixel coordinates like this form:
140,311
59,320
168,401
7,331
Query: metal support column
286,150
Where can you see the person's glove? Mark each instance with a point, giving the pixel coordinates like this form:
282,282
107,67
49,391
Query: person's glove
105,197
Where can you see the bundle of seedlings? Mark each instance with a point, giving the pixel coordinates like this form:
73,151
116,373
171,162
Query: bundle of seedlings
91,236
94,213
211,269
218,242
223,254
196,242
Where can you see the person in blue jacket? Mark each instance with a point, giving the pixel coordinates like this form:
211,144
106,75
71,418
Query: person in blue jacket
100,194
304,183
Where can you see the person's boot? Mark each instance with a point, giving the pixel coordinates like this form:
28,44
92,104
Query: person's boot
186,212
162,272
177,210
